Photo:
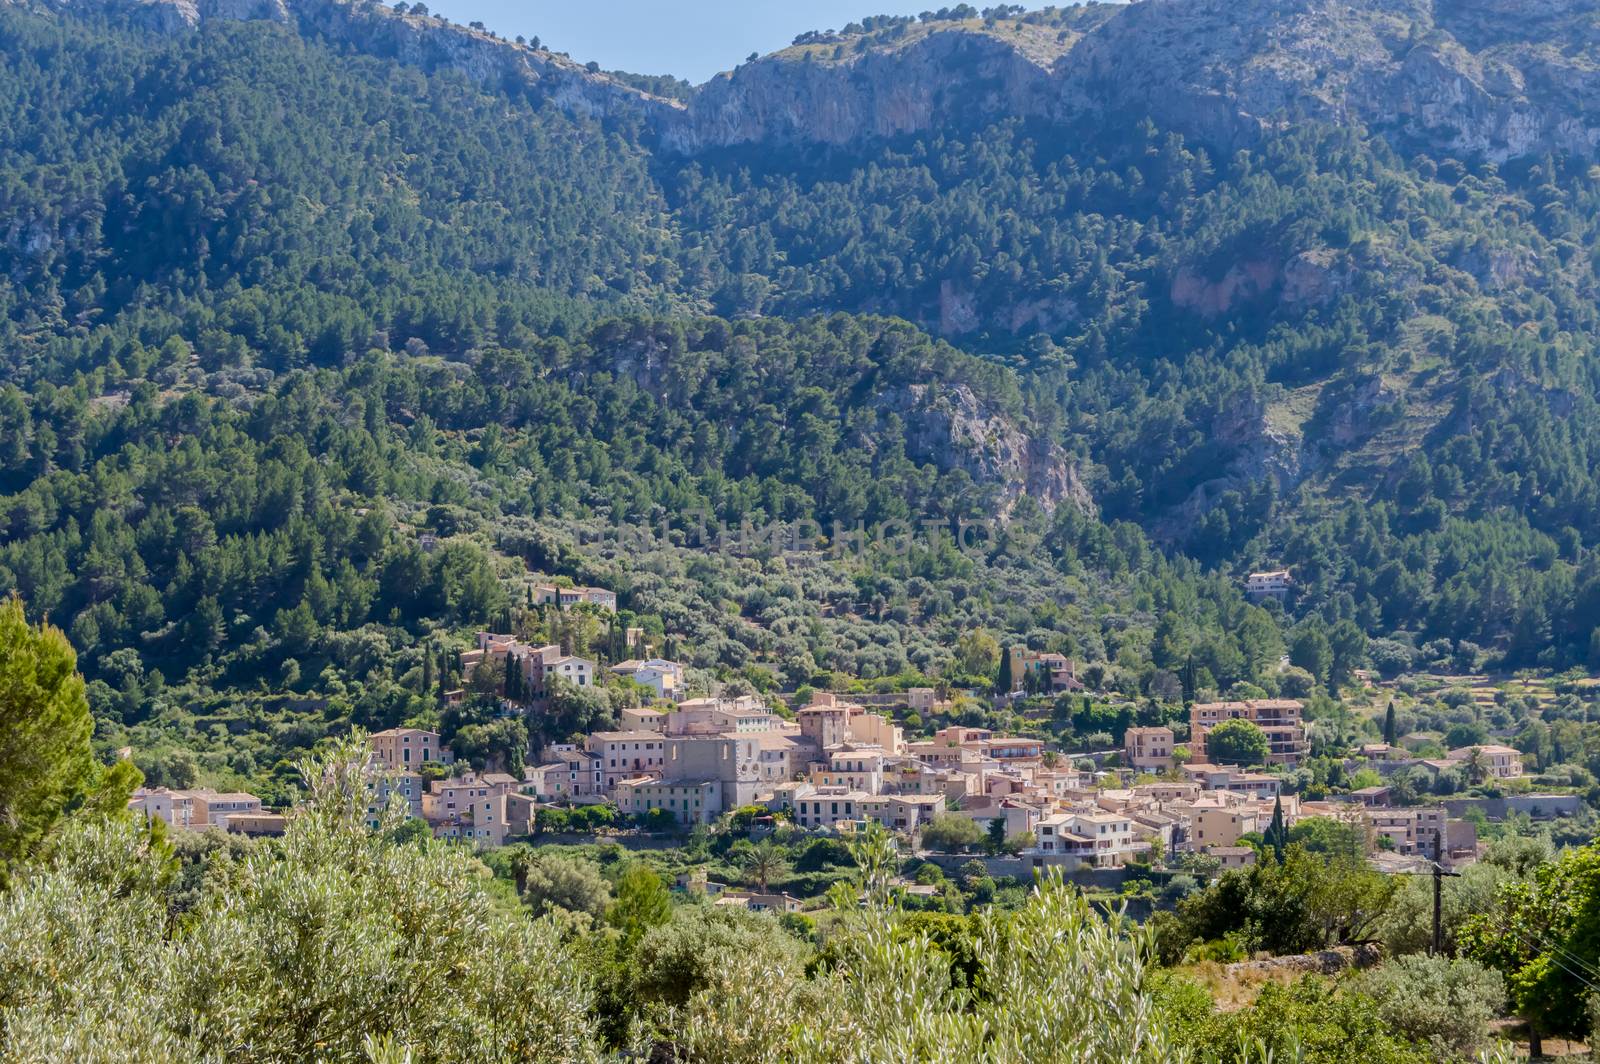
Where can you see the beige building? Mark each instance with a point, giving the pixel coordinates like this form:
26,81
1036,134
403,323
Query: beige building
663,677
1234,856
1083,839
643,718
627,754
1504,762
846,766
405,749
718,716
538,667
387,784
1220,819
470,808
1148,749
1416,831
1273,584
1279,718
689,801
567,597
196,809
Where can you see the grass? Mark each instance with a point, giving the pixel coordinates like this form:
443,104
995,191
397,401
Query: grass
1233,988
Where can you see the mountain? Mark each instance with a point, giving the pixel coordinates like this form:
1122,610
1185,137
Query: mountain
1167,291
1473,77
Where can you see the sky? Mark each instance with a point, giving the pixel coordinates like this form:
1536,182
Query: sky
693,39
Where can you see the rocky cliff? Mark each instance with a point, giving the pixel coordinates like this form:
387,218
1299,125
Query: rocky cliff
953,429
1470,77
1464,76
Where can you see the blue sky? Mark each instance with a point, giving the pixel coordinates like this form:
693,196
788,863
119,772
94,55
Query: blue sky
693,40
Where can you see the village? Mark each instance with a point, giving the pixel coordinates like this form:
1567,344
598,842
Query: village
831,764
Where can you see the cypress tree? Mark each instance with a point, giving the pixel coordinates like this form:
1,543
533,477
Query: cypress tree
427,669
1388,724
1277,835
1007,681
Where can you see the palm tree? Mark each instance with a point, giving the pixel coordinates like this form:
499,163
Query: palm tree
1477,765
764,862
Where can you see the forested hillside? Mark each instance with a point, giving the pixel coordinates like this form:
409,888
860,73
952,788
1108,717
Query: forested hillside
278,305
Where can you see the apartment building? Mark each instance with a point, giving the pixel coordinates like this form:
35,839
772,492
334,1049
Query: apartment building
1085,839
471,807
1221,819
718,716
848,766
387,784
1044,672
1249,784
537,668
1279,718
195,809
1418,831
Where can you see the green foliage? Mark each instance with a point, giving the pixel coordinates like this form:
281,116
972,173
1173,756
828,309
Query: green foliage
1407,926
1447,1005
952,833
642,902
1543,935
302,950
554,882
1308,1020
1307,902
1238,742
45,761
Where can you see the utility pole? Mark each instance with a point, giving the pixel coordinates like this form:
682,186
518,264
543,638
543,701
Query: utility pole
1438,890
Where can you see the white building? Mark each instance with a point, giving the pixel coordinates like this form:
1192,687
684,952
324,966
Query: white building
663,677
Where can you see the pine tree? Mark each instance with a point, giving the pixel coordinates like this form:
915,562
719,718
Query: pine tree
46,764
1388,724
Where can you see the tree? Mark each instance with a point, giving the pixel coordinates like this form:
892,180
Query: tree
1447,1005
1407,925
1304,902
952,832
676,960
335,944
977,652
46,765
1309,650
1277,836
1055,972
573,884
1389,735
1543,934
642,902
1347,645
996,841
1006,682
765,862
1322,834
1238,742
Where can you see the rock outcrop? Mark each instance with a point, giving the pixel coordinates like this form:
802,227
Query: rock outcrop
952,428
1471,77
